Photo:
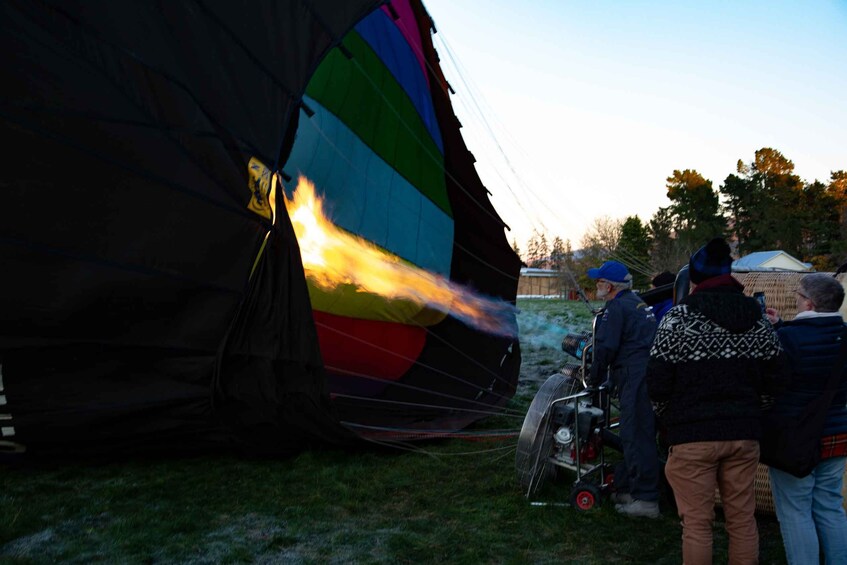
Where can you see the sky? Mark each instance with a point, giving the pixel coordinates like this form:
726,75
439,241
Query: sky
577,110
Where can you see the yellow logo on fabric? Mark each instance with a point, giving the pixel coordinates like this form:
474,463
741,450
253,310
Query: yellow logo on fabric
259,185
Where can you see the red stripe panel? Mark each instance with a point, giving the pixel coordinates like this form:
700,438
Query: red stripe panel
383,350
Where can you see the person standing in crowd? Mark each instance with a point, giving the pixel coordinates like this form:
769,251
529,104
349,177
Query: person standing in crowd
661,308
714,359
622,341
810,509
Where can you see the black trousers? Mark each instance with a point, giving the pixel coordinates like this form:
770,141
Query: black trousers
639,473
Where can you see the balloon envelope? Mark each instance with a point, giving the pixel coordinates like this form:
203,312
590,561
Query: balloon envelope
152,300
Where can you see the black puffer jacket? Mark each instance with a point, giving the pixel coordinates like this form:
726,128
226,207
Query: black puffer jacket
812,345
714,358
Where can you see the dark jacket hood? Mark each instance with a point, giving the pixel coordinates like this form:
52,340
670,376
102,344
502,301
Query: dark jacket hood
724,303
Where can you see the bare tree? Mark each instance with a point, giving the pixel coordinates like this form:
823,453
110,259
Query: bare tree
602,237
598,245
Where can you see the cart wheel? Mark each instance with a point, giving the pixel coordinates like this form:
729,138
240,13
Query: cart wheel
584,496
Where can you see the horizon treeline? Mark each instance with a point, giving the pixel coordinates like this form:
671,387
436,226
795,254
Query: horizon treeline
762,206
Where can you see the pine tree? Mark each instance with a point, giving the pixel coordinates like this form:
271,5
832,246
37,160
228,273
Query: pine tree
695,208
766,203
537,253
634,250
515,248
557,254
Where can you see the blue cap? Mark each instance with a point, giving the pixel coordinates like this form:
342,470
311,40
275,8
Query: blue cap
611,271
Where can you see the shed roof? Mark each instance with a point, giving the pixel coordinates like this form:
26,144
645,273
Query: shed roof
757,262
532,272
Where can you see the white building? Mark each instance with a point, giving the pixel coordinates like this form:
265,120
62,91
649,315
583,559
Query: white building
770,261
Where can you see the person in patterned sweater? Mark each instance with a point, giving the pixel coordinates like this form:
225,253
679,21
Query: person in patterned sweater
714,362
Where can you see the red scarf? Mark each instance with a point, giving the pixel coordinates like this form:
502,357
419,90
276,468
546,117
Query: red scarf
720,281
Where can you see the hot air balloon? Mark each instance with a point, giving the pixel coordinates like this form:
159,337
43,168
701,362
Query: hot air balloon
377,134
154,296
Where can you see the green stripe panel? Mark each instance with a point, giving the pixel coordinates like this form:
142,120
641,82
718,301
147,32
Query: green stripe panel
364,95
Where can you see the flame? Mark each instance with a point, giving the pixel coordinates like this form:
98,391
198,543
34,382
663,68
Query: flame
332,257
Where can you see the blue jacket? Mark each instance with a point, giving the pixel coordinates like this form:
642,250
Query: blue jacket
661,308
811,345
623,336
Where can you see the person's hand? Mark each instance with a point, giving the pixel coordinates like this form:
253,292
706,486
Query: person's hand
772,315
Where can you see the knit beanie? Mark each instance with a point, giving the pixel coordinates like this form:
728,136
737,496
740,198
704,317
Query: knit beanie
663,279
709,261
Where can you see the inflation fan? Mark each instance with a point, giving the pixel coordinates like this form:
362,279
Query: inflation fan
566,427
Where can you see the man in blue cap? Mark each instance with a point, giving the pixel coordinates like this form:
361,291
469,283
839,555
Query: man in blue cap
622,340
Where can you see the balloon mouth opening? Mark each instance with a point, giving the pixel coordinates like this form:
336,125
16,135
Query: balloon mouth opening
336,261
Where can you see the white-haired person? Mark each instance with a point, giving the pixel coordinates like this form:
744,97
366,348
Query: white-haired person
622,340
810,509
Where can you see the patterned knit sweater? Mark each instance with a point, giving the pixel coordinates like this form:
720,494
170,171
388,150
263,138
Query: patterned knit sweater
714,361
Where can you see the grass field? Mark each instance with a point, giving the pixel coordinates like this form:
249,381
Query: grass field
451,501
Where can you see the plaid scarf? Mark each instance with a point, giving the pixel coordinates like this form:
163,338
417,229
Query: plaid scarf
834,446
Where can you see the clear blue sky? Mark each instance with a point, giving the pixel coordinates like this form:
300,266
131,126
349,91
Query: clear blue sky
594,104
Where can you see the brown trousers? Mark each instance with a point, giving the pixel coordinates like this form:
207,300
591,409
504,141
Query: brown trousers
693,471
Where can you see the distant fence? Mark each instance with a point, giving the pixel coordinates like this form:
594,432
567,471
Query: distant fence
542,283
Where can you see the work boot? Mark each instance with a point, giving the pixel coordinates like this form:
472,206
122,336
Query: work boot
621,497
639,508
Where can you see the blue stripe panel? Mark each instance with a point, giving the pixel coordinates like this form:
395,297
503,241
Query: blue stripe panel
396,54
364,195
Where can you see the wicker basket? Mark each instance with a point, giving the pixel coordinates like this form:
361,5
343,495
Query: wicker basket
764,498
779,289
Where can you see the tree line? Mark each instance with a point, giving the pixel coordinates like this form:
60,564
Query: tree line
762,206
